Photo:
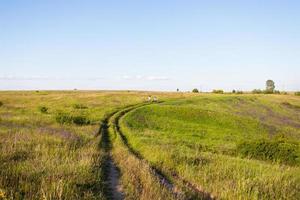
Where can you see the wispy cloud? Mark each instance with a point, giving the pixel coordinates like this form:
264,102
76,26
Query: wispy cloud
29,78
149,78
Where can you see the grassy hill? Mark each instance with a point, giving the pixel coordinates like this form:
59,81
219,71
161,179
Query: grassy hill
233,146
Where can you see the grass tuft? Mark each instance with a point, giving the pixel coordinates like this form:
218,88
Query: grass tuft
79,106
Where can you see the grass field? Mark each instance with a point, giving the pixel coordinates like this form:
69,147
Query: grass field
232,146
66,145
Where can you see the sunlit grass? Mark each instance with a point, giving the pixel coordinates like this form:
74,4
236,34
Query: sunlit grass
198,138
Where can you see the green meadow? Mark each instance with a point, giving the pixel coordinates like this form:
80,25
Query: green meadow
116,145
232,146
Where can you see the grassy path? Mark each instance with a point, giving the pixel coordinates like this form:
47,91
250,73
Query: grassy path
118,174
179,187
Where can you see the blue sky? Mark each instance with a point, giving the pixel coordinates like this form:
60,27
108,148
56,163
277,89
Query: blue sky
149,45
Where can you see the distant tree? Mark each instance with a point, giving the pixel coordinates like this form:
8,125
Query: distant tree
218,91
195,90
270,86
233,91
177,90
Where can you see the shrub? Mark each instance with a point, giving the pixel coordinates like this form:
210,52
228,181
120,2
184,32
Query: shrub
64,118
195,90
43,109
276,150
297,93
79,106
257,91
218,91
233,91
80,120
1,103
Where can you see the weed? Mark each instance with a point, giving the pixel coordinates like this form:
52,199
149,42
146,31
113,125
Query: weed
43,109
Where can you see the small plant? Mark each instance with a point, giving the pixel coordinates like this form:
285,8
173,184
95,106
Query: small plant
79,106
1,103
43,109
218,91
195,90
64,118
297,93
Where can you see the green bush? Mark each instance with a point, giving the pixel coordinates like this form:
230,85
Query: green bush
80,120
79,106
43,109
195,90
275,150
233,91
218,91
297,93
64,118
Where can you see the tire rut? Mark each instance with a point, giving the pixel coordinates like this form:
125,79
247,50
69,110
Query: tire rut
112,187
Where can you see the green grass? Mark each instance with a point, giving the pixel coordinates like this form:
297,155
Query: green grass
227,144
232,146
49,148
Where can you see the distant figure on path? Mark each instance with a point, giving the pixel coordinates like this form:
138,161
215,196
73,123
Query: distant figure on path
149,98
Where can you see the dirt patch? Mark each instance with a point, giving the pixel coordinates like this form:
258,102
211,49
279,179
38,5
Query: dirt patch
113,179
